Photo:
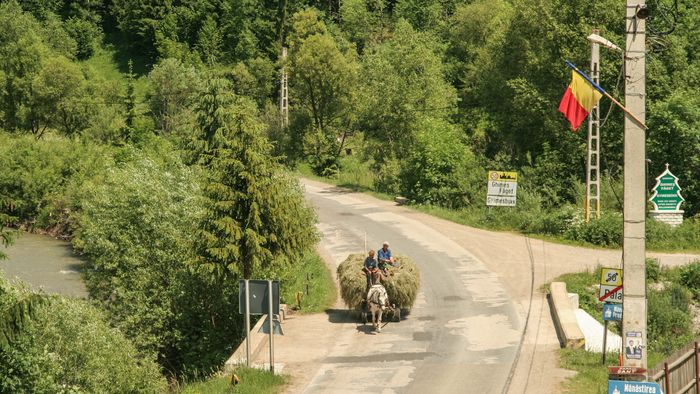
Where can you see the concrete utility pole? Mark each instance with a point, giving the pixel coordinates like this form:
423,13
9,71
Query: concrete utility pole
634,321
593,156
284,98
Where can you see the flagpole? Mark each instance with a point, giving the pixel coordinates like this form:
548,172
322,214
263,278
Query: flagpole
598,88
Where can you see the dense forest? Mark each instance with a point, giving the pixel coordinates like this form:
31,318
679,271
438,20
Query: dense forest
129,124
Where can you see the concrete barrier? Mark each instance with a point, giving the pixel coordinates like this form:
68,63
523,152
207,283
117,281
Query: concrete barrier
258,342
564,316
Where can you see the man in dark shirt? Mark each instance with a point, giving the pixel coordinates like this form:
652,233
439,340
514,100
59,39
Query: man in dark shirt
369,266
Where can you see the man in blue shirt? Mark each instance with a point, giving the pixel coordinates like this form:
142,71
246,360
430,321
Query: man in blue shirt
385,257
369,266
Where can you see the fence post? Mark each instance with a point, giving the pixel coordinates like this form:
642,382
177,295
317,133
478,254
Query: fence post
667,381
697,370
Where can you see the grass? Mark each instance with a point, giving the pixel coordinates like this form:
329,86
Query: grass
253,381
591,377
321,293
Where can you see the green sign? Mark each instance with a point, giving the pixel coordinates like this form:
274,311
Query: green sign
667,192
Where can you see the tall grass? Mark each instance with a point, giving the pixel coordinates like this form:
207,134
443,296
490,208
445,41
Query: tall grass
252,381
312,285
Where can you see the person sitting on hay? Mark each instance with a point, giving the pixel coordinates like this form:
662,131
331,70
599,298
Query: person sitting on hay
370,266
385,258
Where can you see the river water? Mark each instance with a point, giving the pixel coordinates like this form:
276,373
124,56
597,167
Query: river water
45,263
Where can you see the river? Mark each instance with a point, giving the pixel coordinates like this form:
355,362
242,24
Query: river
45,263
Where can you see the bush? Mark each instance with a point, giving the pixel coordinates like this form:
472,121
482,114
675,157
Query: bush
439,169
89,355
670,325
554,222
653,270
690,278
36,174
65,345
606,231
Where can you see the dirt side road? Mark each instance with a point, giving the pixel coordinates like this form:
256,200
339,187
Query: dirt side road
521,265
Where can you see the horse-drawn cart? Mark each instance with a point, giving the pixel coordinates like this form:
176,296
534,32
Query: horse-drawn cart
401,284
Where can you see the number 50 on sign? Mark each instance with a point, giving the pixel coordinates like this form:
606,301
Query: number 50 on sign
610,285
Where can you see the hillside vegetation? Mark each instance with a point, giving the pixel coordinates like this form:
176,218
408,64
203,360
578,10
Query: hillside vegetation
149,134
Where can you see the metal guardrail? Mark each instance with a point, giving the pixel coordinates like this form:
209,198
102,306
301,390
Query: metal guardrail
680,373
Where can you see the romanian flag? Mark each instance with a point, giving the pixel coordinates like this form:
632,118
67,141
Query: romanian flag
579,99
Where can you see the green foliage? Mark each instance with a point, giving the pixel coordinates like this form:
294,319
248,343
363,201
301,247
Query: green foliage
606,231
135,229
653,270
690,277
21,51
670,325
37,176
257,219
86,34
172,90
313,277
675,118
323,78
402,83
252,381
92,356
591,377
439,169
65,345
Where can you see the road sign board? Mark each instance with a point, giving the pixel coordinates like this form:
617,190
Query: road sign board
623,387
507,176
612,312
611,276
502,188
258,292
667,192
623,370
610,294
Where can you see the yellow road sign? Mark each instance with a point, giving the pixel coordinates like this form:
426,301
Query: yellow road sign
611,277
507,176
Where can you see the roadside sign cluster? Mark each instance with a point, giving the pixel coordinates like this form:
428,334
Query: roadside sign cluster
502,188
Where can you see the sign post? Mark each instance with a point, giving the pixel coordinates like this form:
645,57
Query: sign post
611,294
265,296
247,323
502,188
272,330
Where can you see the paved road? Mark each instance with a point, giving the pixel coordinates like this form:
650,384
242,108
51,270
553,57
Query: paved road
481,323
461,336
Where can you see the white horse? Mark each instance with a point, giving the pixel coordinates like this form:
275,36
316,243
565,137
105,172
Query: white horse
377,301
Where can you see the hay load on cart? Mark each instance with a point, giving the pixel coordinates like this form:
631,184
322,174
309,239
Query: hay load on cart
401,283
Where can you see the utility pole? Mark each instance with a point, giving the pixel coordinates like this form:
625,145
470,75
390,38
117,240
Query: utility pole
634,321
593,156
284,98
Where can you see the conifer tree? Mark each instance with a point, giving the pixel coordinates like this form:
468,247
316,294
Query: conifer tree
256,220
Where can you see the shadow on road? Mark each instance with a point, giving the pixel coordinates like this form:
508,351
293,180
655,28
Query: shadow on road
342,316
